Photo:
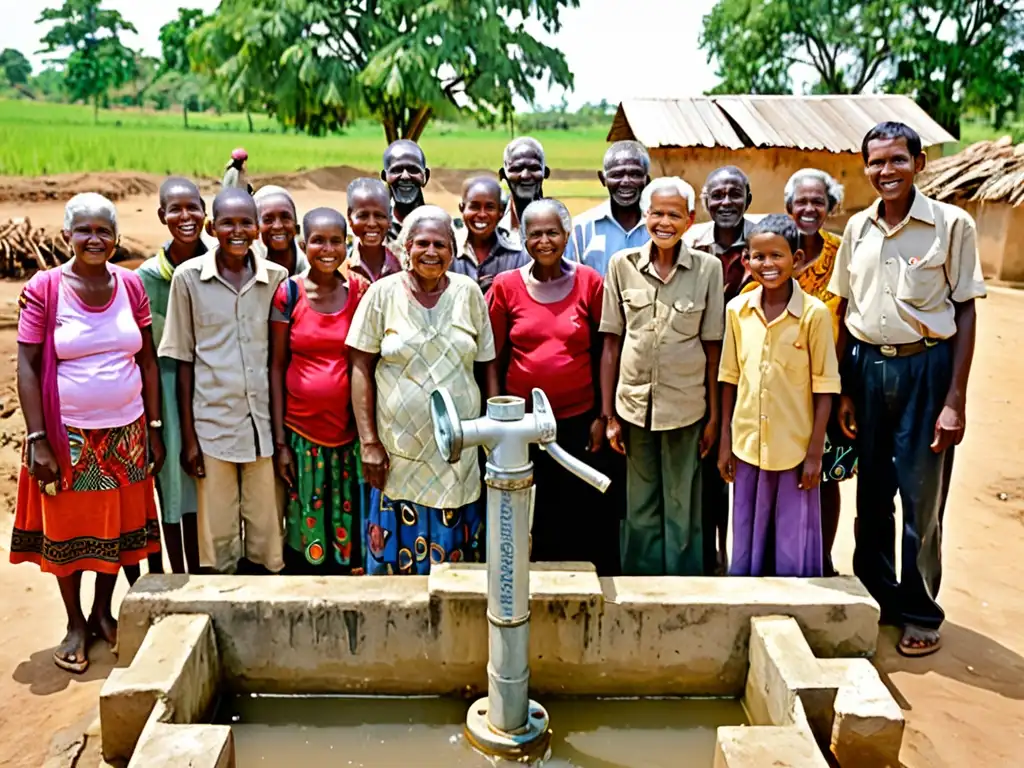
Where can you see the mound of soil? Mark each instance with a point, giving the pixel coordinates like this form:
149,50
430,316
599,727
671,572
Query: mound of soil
115,186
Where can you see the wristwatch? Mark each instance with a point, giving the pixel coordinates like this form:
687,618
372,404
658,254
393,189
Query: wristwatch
156,424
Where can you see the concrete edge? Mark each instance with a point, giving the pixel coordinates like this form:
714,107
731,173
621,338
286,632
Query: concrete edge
163,744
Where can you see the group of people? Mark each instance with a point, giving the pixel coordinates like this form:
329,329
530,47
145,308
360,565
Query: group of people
266,380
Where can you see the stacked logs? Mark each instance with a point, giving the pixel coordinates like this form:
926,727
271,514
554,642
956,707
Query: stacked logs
25,249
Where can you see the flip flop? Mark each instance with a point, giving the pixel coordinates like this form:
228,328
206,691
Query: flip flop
65,663
919,635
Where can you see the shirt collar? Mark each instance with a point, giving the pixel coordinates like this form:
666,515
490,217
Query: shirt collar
920,209
684,258
355,259
752,301
209,268
604,212
706,238
464,251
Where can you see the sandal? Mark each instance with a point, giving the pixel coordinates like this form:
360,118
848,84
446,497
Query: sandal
96,630
65,653
919,641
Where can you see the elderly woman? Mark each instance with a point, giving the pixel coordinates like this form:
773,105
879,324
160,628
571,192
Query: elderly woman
413,333
89,387
663,320
545,317
279,229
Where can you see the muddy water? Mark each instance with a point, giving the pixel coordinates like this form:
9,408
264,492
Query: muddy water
371,732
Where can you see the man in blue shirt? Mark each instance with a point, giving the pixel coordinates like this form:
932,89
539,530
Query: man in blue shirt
618,223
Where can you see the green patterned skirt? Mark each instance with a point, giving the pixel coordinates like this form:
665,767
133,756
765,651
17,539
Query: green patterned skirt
324,513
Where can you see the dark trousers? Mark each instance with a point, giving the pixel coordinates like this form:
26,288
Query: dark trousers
714,509
898,401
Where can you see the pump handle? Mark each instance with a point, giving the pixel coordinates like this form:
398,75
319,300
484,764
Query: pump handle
584,472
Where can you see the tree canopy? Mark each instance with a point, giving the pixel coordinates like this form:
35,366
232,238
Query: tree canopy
16,68
949,55
315,63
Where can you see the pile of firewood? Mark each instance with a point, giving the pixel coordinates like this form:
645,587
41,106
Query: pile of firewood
25,249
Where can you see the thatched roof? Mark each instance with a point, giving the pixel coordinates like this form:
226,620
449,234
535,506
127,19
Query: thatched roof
986,172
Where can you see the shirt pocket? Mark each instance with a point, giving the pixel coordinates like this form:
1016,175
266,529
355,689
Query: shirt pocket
685,317
638,307
922,281
790,351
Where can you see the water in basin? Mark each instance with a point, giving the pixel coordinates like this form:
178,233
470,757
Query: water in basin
426,732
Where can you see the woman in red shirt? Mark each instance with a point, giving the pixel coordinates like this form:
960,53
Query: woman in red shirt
315,449
545,317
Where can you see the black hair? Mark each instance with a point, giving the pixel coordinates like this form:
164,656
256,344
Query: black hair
232,194
176,183
323,214
777,224
403,143
892,130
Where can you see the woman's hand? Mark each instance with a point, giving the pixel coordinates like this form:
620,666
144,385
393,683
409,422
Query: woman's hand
811,474
597,427
44,464
157,451
284,464
726,459
192,456
614,434
847,416
375,464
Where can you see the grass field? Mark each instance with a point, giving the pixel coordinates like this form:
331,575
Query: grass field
41,139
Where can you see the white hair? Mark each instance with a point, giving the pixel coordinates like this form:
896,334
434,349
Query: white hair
263,194
89,204
833,189
671,184
630,148
413,220
546,204
523,141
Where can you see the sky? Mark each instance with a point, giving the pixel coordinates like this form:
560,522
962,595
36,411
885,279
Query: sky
615,48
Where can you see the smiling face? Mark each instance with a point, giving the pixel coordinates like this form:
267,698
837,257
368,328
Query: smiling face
625,177
369,216
525,173
430,249
183,214
406,173
325,244
93,238
545,238
891,168
278,224
235,225
668,218
481,209
770,259
726,197
809,208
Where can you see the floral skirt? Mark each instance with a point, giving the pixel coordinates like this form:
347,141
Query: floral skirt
323,513
107,519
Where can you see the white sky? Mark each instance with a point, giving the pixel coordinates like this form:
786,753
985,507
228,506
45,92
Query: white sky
615,48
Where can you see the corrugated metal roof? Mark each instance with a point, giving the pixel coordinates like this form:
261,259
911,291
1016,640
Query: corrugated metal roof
831,123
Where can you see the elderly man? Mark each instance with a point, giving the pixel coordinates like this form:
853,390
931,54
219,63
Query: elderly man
618,223
908,273
406,173
663,318
524,170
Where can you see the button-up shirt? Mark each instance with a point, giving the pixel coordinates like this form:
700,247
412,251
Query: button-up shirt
504,257
902,282
663,323
512,234
224,333
596,236
355,263
777,368
734,271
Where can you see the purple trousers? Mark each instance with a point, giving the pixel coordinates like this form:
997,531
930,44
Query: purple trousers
776,525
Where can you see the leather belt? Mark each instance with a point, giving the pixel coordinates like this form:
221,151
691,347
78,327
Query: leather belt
906,350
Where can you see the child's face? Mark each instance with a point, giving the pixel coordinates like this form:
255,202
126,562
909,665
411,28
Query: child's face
325,245
481,210
183,213
235,227
368,215
278,226
770,260
545,238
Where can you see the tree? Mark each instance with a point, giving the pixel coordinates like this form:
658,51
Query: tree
15,67
97,60
948,54
176,82
314,64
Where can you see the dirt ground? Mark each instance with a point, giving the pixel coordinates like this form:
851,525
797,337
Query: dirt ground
964,706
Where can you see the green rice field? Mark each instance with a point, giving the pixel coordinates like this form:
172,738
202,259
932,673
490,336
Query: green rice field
42,139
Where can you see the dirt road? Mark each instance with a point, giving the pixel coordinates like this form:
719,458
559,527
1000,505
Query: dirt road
964,706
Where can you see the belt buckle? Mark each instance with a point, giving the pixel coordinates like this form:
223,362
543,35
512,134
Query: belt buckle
929,343
888,350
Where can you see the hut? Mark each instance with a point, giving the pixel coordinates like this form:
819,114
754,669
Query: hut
769,137
987,180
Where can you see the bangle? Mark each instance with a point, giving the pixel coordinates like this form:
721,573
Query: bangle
34,437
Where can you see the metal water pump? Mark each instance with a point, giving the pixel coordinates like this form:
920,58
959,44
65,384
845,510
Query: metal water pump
507,723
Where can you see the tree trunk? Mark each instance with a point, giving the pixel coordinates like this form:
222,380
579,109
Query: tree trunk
390,130
248,116
184,114
419,121
96,109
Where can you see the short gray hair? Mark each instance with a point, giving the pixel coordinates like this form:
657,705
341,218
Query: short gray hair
546,204
89,204
413,220
668,184
368,185
270,191
833,189
632,148
523,141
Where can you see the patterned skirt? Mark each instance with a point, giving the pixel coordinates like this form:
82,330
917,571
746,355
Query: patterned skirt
403,537
323,513
108,518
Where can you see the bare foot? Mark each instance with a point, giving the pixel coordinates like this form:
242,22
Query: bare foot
71,655
105,628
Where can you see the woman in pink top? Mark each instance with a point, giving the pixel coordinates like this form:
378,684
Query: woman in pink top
545,317
88,384
315,446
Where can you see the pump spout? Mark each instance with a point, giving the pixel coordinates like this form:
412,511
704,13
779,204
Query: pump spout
570,463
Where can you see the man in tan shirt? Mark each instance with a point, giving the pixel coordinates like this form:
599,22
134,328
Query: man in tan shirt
217,329
663,320
908,273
